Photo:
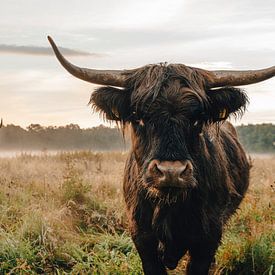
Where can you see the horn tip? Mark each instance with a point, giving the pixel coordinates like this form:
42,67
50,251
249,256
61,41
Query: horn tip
50,40
53,45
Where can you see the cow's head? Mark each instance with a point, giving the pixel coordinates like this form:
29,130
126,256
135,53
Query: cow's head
167,107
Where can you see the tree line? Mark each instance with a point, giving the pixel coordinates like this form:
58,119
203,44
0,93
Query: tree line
255,138
69,137
258,138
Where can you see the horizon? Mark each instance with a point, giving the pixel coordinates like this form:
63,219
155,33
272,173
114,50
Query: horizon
207,34
110,125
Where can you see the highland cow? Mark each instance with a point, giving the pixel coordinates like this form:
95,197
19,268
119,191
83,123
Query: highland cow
186,173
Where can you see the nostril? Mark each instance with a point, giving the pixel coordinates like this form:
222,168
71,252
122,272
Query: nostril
186,170
154,169
158,171
183,173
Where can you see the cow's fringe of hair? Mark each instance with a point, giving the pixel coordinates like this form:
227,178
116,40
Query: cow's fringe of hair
147,81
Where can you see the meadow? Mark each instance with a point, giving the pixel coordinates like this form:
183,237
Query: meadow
65,214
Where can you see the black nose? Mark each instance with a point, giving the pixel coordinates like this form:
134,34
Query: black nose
170,173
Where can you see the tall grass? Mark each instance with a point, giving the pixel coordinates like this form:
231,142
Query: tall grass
248,243
64,214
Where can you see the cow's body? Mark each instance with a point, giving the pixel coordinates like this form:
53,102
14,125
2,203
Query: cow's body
186,173
164,230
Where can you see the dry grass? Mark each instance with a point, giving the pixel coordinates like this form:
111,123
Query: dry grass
65,214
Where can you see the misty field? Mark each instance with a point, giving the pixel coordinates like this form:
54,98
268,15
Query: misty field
64,214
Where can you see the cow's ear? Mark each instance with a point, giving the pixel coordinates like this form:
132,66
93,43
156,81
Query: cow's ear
113,103
224,102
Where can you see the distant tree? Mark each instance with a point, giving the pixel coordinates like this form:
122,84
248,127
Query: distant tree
255,138
258,138
35,128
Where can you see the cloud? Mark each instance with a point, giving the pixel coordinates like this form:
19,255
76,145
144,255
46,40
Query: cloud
34,50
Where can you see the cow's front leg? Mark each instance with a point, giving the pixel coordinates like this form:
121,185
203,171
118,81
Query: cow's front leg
146,244
170,253
201,257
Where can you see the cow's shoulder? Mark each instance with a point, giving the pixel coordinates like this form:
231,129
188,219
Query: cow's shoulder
229,128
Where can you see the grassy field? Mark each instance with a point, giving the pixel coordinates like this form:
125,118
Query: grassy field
64,214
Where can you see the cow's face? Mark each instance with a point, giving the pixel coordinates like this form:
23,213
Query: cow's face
164,132
166,123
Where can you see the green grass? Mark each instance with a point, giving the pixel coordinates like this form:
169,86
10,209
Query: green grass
65,214
248,243
92,254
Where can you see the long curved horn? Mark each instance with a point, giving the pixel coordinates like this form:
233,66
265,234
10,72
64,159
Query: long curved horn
101,77
238,78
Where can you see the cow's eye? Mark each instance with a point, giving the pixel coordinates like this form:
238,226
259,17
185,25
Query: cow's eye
196,126
141,122
137,120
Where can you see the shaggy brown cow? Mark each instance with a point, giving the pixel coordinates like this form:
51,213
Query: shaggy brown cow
186,173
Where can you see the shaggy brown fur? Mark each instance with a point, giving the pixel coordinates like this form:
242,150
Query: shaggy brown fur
174,116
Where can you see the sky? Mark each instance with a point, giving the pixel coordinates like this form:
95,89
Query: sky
123,34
